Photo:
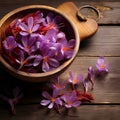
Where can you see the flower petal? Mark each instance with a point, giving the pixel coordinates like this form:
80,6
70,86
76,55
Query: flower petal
72,43
24,33
46,95
61,35
53,62
76,103
68,106
45,67
35,28
58,101
30,22
45,102
23,27
100,60
51,105
68,54
37,60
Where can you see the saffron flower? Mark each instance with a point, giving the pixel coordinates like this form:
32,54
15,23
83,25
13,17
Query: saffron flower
49,62
28,44
101,65
67,47
51,100
57,85
10,43
30,28
70,100
23,61
36,43
17,96
88,79
74,80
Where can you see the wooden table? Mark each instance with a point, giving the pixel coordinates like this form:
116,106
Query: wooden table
106,42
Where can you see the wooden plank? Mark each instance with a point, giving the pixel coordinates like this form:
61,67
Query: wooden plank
106,88
105,42
110,10
84,112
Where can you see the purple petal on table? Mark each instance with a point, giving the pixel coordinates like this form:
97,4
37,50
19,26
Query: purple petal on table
86,84
50,106
90,70
45,66
45,102
53,62
24,33
72,96
55,93
35,28
23,27
30,22
76,103
100,60
46,95
58,101
68,106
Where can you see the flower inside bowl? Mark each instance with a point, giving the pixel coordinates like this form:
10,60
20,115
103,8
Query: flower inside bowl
37,42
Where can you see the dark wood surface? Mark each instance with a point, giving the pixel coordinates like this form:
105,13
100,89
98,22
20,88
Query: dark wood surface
105,42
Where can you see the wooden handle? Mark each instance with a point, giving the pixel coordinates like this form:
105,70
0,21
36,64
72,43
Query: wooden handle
85,28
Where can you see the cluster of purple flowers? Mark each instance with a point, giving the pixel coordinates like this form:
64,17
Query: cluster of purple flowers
35,43
74,97
59,97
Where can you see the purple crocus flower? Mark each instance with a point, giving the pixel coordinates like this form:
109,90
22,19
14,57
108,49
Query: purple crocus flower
67,47
30,28
22,61
17,95
101,65
57,85
49,62
9,43
88,79
28,44
49,37
75,79
51,101
70,100
38,18
53,21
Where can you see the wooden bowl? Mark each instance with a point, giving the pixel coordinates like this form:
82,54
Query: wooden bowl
70,30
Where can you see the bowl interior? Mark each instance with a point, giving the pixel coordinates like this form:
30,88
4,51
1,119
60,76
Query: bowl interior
69,29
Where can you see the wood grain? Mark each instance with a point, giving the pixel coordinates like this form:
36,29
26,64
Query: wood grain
107,89
84,112
85,28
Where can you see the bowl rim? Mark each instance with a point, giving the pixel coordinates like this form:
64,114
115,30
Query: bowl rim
62,66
